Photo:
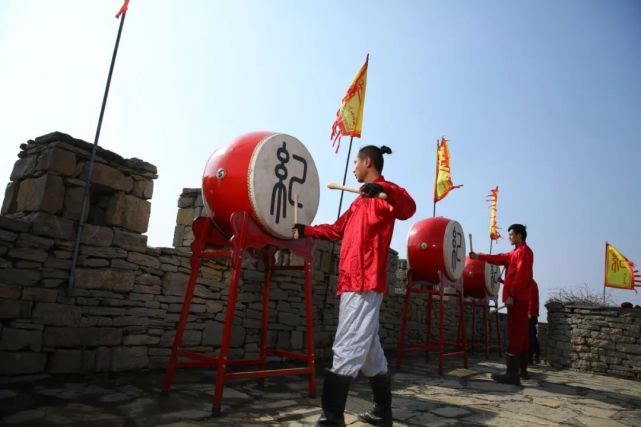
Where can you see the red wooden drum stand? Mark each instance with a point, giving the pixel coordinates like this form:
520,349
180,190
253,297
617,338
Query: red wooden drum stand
481,286
247,236
486,339
441,346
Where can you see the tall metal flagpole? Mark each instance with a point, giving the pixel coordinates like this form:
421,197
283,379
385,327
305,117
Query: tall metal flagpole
81,221
338,215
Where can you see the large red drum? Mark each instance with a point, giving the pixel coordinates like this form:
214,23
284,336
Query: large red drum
262,173
433,245
480,279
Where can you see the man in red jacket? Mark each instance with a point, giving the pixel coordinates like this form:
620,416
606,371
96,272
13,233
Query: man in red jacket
366,232
516,297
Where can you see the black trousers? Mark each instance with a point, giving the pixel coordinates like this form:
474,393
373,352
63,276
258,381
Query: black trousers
534,350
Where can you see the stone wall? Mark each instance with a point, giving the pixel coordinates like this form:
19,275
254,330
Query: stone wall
603,340
125,304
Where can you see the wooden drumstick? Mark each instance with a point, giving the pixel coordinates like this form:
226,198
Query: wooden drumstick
471,247
334,186
497,309
296,236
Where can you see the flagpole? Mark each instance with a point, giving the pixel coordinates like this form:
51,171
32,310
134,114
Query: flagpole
338,215
93,155
491,245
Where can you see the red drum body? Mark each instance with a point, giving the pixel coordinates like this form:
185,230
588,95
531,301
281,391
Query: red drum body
480,279
261,173
436,244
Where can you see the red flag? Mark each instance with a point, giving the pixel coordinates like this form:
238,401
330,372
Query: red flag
123,9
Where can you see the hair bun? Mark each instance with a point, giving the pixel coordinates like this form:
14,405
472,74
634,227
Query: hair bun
385,149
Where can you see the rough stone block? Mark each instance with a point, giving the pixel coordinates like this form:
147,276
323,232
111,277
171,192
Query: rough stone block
57,160
47,313
23,168
39,294
20,339
190,338
141,259
17,363
129,358
10,291
9,203
174,284
185,216
72,361
105,278
82,337
30,254
102,252
10,309
144,189
73,203
96,235
19,276
130,241
45,193
52,226
128,212
26,240
107,177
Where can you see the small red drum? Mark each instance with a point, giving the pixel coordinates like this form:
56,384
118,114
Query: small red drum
436,244
480,279
261,173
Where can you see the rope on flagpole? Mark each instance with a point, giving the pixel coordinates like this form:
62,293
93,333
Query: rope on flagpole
122,14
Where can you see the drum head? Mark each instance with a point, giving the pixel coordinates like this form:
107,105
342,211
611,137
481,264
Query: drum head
281,168
492,275
454,250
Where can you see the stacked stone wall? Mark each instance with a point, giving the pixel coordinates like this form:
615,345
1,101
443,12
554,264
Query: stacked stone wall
602,340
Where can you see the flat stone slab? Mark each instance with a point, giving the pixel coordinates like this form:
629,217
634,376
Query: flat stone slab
460,397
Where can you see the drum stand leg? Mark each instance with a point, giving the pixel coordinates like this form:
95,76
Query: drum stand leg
268,261
473,340
406,308
428,331
486,328
498,332
310,327
197,247
221,371
462,334
441,328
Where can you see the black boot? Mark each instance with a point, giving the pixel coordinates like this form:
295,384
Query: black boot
333,401
381,412
524,362
512,374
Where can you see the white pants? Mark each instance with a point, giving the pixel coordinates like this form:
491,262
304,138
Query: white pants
357,346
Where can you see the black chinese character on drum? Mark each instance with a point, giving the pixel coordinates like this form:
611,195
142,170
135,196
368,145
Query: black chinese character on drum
282,194
457,243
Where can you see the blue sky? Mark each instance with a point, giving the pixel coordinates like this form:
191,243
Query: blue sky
542,98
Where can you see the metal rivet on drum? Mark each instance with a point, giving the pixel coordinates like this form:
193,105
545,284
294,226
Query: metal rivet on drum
220,173
423,245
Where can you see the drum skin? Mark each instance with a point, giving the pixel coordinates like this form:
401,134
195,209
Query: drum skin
480,279
433,245
258,173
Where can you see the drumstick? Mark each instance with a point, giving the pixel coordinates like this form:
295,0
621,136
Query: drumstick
497,309
471,249
296,215
334,186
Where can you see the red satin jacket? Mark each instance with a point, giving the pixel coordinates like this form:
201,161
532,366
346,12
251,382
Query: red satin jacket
366,230
533,307
518,271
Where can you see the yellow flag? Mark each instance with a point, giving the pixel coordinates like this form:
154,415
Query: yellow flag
619,271
493,198
349,117
443,183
